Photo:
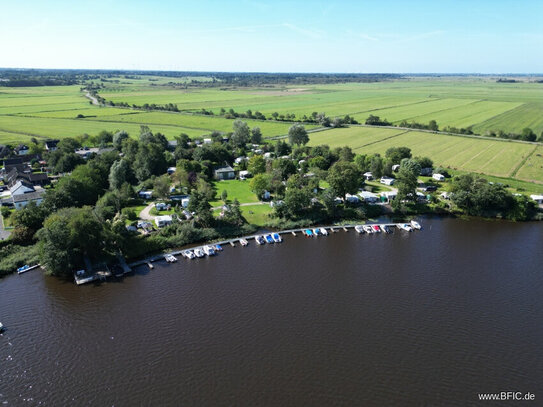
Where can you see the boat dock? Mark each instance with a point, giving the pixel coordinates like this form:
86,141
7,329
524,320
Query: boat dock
294,232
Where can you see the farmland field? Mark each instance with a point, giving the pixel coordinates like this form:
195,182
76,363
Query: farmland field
484,104
494,157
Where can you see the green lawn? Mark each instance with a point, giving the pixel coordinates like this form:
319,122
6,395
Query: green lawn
235,189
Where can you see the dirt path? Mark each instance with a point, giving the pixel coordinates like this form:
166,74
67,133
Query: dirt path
92,99
144,214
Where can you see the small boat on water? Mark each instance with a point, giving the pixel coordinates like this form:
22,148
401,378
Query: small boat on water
199,253
323,231
406,227
218,248
308,232
316,232
260,240
189,254
359,229
376,229
208,250
2,327
23,269
416,225
368,229
243,242
269,239
385,229
277,238
170,258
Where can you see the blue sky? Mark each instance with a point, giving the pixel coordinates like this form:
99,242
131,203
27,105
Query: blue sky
275,36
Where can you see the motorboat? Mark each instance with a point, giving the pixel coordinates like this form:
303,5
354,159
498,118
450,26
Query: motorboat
189,254
2,327
416,225
407,227
170,258
199,253
277,238
368,229
208,250
359,229
316,232
243,242
323,231
308,232
376,229
385,229
260,240
23,269
218,248
269,239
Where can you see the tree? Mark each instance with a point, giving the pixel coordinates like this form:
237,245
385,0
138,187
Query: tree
344,177
528,135
199,204
285,166
376,165
407,181
120,173
234,215
432,125
224,195
67,236
149,161
259,184
118,139
397,154
257,165
27,222
297,135
425,162
256,135
161,186
68,162
241,134
296,202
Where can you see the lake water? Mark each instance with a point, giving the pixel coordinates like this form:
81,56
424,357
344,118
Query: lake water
429,318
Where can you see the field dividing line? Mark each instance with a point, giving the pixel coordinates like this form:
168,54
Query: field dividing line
477,155
395,106
383,139
20,133
522,163
492,159
441,110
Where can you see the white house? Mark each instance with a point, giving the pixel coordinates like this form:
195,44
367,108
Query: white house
368,176
438,177
369,197
145,194
21,187
389,195
161,206
21,200
244,174
225,172
537,198
387,181
163,220
207,141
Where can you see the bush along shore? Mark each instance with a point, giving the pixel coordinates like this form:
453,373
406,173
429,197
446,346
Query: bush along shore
144,194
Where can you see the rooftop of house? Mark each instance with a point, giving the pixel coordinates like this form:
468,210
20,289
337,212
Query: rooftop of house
28,197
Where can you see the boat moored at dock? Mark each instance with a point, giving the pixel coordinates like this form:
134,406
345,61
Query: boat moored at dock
2,327
269,239
308,232
359,229
218,248
260,240
199,253
405,226
368,229
415,225
376,228
323,231
208,250
277,238
170,258
385,229
243,242
189,254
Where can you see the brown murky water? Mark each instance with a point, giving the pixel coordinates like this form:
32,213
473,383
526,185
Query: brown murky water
429,318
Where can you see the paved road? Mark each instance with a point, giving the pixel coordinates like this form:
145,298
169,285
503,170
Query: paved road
4,234
145,215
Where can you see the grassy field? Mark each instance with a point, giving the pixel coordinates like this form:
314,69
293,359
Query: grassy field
235,189
493,157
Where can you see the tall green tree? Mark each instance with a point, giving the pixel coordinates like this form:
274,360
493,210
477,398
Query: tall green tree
297,134
344,177
241,134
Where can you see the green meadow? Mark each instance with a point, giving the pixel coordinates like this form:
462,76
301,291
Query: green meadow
484,104
496,157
